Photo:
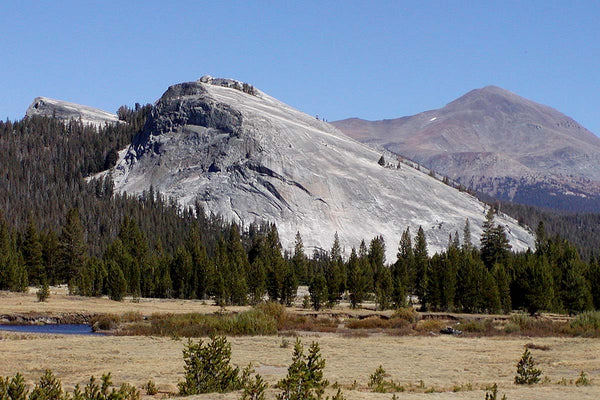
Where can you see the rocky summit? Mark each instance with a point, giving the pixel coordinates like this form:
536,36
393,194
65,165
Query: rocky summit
66,111
249,157
498,143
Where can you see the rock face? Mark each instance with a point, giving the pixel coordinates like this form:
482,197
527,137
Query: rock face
66,111
498,143
249,157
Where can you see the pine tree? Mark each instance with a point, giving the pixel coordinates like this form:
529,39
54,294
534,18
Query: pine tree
50,248
495,246
356,280
527,374
299,261
576,295
503,283
594,279
541,239
421,261
384,289
257,280
116,284
32,254
318,291
376,258
405,256
334,273
467,243
72,247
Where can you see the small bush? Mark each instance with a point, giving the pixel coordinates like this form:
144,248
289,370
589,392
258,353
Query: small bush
475,326
368,323
254,389
534,346
251,322
208,369
304,380
105,322
429,325
527,374
377,380
492,393
583,380
151,388
49,388
511,327
132,316
586,322
408,314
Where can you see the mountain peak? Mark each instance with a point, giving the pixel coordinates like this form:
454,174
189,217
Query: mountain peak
251,157
496,142
64,110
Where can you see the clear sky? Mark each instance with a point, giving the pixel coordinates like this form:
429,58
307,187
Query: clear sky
337,59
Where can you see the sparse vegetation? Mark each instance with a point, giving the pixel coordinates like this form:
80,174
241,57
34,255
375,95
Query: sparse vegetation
151,388
583,379
492,393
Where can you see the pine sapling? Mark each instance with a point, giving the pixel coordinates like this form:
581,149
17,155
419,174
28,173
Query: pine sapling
527,374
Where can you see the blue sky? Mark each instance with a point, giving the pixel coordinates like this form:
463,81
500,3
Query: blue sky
337,59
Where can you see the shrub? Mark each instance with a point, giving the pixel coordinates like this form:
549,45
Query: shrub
254,389
43,292
476,326
492,393
406,313
527,374
429,325
251,322
105,322
304,380
368,323
151,388
586,321
583,380
376,380
49,388
208,369
14,388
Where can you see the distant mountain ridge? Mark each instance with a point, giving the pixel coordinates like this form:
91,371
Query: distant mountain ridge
66,111
247,156
498,143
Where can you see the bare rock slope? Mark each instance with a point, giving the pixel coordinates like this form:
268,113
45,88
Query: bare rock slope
66,111
249,157
498,143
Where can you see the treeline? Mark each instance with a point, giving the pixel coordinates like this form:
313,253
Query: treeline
581,229
241,266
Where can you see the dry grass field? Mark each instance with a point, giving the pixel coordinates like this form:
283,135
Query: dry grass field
443,363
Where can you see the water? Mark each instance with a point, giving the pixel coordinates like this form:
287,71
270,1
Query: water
60,329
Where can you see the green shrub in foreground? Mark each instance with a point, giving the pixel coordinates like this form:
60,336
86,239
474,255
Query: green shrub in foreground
208,368
527,374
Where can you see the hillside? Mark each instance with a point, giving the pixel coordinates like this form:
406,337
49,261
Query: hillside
498,143
247,156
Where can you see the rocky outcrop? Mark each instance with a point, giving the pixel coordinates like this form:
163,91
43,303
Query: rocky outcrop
249,157
490,136
66,111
